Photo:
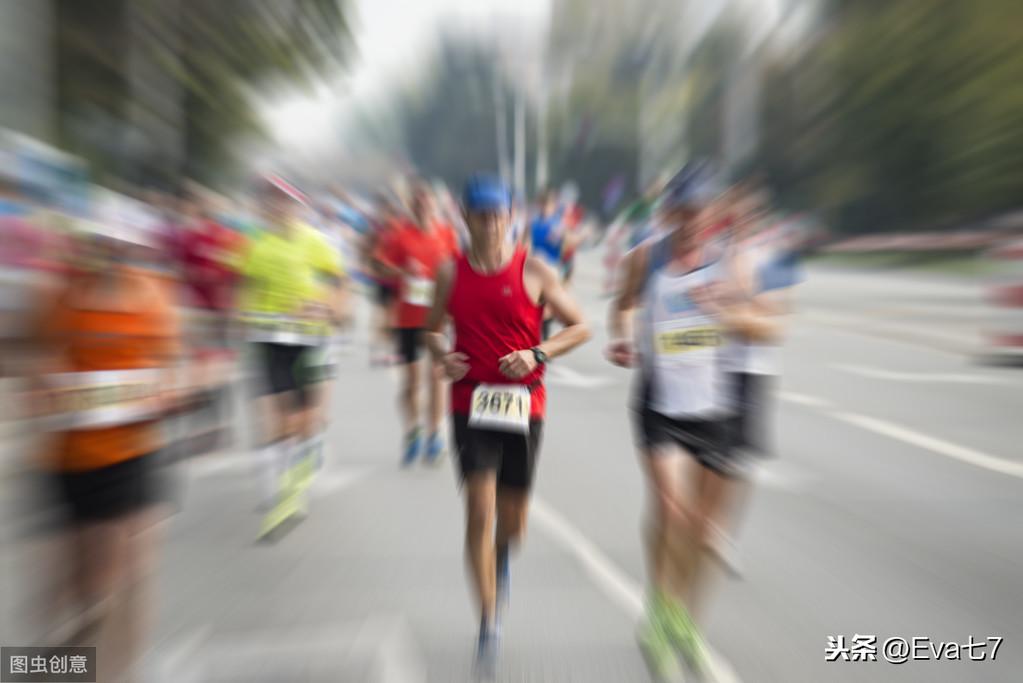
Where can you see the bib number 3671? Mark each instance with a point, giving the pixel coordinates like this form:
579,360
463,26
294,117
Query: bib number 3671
500,407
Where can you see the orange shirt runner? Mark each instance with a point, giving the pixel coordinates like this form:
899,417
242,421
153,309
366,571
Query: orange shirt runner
132,328
417,254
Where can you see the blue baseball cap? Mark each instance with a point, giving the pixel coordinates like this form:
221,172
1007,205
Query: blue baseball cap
694,186
486,193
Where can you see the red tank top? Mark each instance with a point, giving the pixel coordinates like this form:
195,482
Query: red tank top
493,316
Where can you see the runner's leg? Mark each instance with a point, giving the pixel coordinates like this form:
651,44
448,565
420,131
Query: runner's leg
663,464
102,552
382,337
143,530
437,396
409,394
714,491
436,389
481,501
273,436
664,469
512,511
410,390
273,407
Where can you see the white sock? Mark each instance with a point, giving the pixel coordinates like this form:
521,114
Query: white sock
317,451
297,448
272,458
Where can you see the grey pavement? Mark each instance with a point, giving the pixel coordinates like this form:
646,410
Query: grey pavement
942,312
891,508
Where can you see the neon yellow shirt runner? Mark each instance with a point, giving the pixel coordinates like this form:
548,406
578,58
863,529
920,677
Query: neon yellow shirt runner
284,273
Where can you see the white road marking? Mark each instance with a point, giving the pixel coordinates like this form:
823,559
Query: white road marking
176,661
969,456
612,580
322,653
949,449
879,373
803,399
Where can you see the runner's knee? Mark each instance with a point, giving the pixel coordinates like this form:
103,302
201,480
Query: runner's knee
480,519
511,521
480,511
668,511
512,529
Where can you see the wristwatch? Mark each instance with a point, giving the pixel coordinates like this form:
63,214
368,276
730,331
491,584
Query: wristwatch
539,355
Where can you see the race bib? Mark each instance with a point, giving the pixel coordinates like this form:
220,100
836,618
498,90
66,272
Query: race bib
94,400
419,291
675,341
276,329
500,407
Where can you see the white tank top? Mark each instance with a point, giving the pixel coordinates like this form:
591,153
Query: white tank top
680,344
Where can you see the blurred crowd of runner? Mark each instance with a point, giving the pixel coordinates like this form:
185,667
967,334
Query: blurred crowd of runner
126,310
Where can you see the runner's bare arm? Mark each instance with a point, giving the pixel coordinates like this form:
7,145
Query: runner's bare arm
769,309
563,306
437,315
627,298
436,341
386,270
743,318
741,279
753,317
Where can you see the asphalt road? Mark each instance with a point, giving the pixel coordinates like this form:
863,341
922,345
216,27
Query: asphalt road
891,509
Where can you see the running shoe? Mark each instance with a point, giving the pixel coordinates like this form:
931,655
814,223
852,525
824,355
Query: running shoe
656,646
684,636
434,449
503,578
486,652
413,443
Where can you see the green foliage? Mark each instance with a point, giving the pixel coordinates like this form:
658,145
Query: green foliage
201,58
445,125
903,115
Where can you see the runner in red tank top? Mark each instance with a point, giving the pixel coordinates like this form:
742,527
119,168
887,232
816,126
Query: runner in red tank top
494,297
493,316
411,254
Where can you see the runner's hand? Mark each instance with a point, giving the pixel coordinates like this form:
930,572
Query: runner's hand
518,364
621,352
708,297
455,366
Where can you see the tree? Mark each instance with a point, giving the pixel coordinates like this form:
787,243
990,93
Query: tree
900,115
208,55
445,124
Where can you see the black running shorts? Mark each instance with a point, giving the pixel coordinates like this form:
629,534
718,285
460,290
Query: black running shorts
749,425
112,491
511,456
284,369
409,342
